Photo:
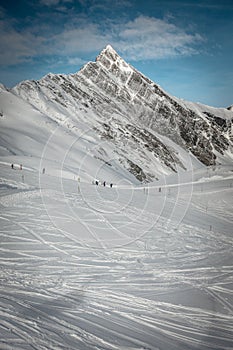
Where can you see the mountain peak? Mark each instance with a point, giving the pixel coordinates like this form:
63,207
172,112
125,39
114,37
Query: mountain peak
113,62
109,48
108,52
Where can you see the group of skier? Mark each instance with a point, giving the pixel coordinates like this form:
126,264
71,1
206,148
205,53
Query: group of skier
97,183
94,182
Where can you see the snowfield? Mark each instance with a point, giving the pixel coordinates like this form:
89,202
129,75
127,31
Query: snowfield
128,267
135,266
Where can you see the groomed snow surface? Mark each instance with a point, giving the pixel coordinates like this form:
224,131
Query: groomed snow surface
129,267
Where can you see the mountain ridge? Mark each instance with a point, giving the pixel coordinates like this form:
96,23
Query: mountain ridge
133,114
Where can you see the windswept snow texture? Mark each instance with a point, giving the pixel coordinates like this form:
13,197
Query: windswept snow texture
94,267
133,267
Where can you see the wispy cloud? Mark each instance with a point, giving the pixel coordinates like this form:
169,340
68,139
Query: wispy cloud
54,2
84,39
107,6
152,38
17,46
75,61
140,39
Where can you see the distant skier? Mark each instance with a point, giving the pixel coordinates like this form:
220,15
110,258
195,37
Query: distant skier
111,185
12,166
104,183
96,182
43,171
21,167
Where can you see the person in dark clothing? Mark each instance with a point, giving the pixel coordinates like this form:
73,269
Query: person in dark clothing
12,166
111,185
104,183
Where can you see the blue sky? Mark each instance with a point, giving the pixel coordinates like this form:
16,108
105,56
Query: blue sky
184,46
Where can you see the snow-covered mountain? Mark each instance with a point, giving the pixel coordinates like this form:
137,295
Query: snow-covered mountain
122,119
126,267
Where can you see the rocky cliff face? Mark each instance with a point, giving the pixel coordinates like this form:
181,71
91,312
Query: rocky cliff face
130,111
202,133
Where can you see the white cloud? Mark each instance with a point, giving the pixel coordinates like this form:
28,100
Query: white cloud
75,61
15,46
49,2
141,39
107,5
54,2
83,39
152,38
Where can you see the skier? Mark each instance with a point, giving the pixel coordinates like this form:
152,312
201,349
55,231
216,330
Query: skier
111,185
104,183
12,166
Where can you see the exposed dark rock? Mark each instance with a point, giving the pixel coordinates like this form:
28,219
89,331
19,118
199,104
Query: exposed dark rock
137,171
130,109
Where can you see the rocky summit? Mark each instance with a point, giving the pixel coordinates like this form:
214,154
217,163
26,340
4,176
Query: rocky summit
150,132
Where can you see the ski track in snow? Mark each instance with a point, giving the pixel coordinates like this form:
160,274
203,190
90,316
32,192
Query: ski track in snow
112,269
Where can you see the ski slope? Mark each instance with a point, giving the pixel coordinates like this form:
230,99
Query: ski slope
129,267
92,267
